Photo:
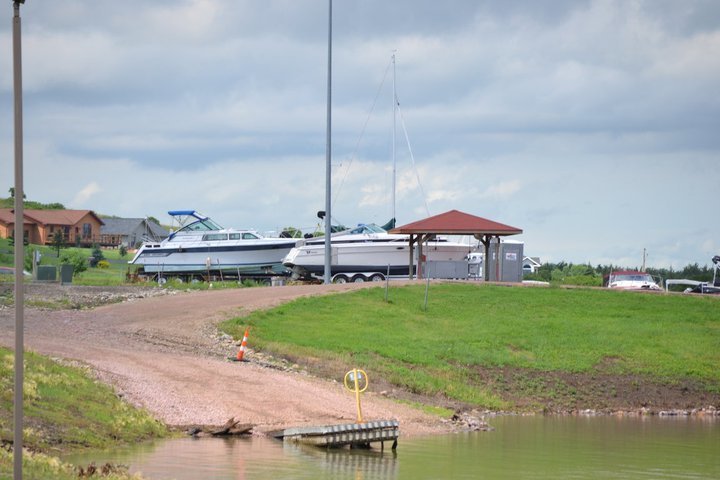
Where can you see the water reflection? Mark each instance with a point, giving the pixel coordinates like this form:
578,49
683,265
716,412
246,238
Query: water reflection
344,463
520,447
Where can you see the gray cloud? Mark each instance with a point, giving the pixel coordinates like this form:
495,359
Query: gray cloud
589,124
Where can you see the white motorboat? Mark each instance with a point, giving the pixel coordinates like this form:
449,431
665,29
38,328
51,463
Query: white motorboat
632,280
367,253
200,246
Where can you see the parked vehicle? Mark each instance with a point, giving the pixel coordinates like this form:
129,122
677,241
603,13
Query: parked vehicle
695,286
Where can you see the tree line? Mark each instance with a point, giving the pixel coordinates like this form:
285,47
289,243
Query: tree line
29,204
589,275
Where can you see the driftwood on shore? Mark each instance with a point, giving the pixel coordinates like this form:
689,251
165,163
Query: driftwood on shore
232,427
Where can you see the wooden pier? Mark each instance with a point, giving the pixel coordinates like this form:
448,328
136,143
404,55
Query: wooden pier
356,435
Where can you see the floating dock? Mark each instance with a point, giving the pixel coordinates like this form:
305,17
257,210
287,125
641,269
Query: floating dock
356,435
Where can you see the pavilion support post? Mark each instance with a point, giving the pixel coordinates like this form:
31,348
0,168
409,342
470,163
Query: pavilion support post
411,262
420,272
497,260
485,240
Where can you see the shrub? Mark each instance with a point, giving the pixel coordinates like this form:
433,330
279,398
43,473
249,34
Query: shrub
104,264
97,253
76,259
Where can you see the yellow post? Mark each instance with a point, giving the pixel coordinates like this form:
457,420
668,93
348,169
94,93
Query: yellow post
355,375
357,395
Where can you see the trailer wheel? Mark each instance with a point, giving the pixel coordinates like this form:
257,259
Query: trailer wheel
340,279
359,278
377,277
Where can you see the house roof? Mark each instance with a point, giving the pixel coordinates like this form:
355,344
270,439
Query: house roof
124,226
533,260
121,226
59,217
456,222
7,216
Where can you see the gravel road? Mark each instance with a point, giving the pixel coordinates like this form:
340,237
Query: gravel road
164,353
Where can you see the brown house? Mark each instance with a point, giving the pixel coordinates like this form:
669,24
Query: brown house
78,227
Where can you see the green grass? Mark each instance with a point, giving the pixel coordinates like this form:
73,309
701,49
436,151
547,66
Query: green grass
39,466
665,337
115,275
65,410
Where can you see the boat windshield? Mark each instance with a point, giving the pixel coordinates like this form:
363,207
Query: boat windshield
201,226
638,277
365,228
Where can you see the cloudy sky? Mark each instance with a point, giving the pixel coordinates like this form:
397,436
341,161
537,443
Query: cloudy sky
591,125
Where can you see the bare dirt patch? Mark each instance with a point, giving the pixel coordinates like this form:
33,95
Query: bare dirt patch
599,391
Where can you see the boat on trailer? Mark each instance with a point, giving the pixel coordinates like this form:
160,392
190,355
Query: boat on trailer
201,246
367,253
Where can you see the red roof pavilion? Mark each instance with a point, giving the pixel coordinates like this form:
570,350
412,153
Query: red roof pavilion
454,222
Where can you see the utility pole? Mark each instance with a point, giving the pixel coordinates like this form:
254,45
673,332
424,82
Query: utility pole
328,155
19,247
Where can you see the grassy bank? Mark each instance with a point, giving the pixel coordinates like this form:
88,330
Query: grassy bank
500,347
65,410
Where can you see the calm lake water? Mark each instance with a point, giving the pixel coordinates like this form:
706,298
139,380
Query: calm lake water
519,448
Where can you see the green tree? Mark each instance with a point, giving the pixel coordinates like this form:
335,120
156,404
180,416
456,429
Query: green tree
12,193
96,256
54,206
58,241
123,250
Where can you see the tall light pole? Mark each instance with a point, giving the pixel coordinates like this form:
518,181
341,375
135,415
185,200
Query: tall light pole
328,155
19,247
394,129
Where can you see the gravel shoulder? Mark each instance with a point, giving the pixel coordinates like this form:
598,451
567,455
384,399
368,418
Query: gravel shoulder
162,351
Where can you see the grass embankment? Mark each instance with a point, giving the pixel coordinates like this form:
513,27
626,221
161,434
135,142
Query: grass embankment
509,348
65,410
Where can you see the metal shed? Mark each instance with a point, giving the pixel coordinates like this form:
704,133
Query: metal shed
454,222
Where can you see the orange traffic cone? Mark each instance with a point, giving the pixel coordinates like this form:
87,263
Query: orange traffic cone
243,346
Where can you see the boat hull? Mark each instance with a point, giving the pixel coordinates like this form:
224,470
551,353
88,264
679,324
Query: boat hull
260,259
368,257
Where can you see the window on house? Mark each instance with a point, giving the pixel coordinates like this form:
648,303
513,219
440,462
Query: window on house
87,230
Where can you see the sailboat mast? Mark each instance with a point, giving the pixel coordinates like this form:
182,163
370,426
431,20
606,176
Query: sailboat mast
394,167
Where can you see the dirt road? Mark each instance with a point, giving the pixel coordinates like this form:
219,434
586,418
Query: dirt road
164,353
